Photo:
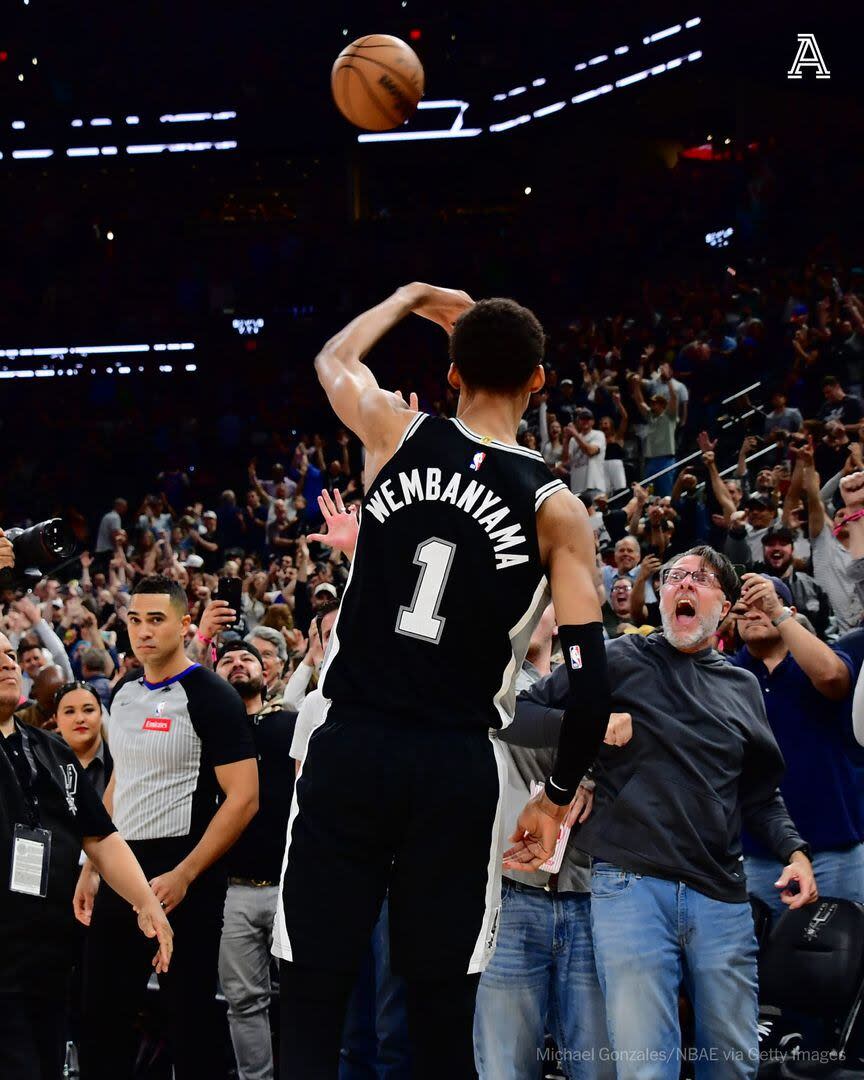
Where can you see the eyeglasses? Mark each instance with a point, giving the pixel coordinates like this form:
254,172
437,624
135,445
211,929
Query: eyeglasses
704,579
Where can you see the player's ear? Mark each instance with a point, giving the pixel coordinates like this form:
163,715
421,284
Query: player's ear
538,379
454,378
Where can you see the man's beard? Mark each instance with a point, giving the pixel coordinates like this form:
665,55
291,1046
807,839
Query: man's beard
703,628
248,688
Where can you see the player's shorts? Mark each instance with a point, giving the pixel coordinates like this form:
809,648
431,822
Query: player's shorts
386,808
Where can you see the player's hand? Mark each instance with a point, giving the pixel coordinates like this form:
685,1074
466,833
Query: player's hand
536,834
799,870
342,524
170,889
442,306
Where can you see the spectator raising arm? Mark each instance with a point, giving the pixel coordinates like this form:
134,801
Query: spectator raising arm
718,488
822,666
47,638
817,514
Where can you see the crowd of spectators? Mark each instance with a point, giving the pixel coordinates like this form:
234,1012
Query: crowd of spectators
626,398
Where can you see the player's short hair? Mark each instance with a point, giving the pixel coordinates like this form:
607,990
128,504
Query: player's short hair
161,585
496,345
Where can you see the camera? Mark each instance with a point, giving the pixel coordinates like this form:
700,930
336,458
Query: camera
42,547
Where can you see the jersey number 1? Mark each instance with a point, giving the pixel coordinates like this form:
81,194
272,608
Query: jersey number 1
421,620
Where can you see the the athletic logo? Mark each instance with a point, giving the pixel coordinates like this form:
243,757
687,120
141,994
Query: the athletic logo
809,55
477,461
575,658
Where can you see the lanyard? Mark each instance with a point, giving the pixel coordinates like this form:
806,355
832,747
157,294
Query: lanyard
26,779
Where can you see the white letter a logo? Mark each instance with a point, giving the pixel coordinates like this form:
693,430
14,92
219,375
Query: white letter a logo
808,56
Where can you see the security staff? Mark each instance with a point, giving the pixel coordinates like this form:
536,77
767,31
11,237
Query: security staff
48,810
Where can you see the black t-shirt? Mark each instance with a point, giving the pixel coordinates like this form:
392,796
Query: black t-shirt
37,934
848,411
258,853
213,560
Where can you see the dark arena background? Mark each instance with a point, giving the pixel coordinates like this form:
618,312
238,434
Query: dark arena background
186,219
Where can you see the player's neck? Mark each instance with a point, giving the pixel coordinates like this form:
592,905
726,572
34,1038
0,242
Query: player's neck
491,415
158,671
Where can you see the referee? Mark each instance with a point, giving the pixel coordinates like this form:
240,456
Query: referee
184,787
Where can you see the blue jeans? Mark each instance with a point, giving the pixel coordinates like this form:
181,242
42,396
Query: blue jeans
838,873
650,936
375,1037
541,978
664,484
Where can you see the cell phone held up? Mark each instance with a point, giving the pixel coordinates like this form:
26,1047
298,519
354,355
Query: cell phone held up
230,589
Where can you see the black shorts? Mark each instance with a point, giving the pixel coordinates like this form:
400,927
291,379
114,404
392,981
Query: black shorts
388,809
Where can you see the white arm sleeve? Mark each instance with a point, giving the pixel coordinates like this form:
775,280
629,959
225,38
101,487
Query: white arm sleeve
55,646
295,690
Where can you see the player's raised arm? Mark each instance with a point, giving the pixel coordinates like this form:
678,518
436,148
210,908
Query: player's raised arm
377,416
567,547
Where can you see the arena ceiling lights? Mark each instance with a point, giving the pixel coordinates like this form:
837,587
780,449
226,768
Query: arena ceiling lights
117,146
73,355
457,130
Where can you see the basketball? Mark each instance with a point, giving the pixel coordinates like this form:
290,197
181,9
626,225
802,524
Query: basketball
377,82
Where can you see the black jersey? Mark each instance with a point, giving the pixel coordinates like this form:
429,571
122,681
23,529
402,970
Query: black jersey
447,584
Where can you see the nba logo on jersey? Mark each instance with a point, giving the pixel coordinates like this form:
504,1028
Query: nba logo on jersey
477,461
575,657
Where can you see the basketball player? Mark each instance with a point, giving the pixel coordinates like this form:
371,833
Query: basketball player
462,531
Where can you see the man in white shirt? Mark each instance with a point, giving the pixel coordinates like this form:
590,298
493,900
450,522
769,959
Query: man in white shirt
585,453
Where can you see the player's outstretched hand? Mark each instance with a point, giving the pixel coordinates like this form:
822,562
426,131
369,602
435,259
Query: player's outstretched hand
535,835
342,525
442,306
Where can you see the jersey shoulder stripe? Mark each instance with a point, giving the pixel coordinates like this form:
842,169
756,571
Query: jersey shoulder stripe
544,492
